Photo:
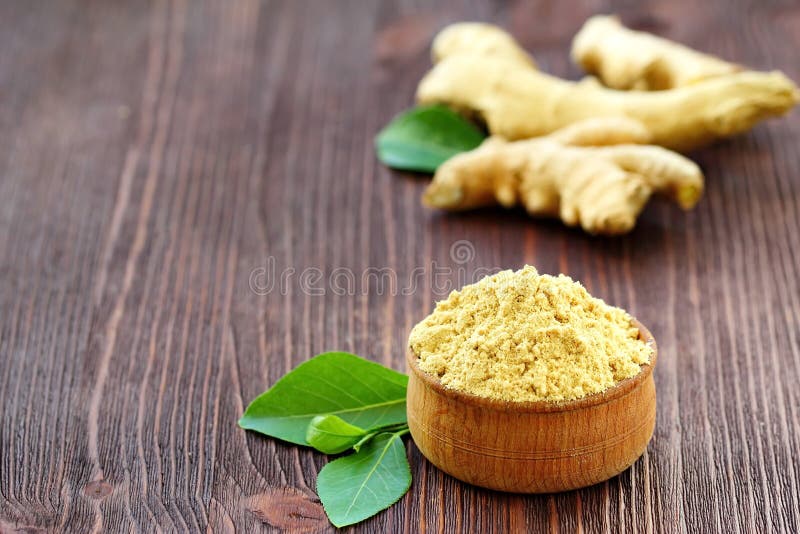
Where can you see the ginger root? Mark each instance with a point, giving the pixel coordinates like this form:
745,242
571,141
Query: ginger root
519,102
478,39
589,174
627,59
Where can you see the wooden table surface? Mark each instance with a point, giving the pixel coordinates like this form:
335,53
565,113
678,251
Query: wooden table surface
172,174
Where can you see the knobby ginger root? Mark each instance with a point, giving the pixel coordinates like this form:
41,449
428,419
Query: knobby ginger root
571,175
519,102
627,59
478,38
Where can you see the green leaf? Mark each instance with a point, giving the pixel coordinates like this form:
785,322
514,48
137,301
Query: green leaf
331,434
424,137
363,393
359,486
372,432
363,441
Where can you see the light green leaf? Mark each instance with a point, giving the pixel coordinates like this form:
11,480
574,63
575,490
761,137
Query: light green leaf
359,486
360,443
362,393
372,432
424,137
331,434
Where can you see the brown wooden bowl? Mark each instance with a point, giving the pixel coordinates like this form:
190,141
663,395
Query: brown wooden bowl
533,447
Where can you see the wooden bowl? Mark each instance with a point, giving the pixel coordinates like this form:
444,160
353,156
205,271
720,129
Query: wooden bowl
533,447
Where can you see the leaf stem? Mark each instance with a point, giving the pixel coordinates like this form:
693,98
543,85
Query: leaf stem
403,431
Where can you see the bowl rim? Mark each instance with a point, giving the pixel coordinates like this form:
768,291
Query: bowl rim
616,391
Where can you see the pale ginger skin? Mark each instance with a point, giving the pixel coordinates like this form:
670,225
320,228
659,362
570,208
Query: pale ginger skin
519,102
479,39
619,57
567,175
626,59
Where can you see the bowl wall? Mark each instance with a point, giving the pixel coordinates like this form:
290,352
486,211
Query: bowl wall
532,447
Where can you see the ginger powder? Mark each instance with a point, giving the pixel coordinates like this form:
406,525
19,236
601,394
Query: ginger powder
522,336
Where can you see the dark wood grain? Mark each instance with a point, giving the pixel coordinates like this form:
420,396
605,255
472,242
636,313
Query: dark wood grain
156,159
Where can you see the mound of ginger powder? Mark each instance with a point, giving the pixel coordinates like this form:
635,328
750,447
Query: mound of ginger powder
522,336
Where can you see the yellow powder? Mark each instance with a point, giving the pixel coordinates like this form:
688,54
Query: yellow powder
522,336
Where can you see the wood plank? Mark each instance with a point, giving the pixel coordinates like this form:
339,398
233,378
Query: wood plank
158,162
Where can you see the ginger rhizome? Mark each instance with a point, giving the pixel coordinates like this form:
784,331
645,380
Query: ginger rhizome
518,102
625,59
590,174
478,39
